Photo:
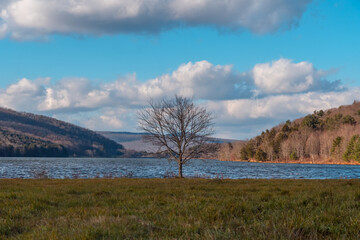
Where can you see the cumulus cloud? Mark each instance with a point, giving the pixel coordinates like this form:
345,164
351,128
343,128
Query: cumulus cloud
110,119
263,96
24,87
284,76
33,18
22,95
73,94
291,105
237,119
258,114
201,80
104,122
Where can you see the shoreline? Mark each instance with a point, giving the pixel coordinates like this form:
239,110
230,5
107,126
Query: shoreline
302,161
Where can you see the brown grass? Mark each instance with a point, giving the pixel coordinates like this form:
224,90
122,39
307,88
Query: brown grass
179,209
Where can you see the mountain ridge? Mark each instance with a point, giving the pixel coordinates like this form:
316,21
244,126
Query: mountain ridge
32,135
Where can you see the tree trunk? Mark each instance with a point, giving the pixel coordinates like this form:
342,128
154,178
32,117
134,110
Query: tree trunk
180,169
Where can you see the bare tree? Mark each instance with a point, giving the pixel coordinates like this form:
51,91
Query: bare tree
313,146
178,127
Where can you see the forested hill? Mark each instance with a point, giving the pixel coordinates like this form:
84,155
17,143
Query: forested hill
30,135
326,134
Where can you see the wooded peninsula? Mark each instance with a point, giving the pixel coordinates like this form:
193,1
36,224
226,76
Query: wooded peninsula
326,136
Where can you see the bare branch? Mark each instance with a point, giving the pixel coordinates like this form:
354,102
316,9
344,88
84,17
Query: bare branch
178,127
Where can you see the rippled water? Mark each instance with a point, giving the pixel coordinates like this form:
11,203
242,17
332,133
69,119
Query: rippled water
159,168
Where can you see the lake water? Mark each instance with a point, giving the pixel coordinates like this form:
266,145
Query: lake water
160,168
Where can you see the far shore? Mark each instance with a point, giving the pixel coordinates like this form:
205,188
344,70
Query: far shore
303,161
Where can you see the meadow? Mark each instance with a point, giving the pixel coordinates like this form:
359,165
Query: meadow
179,209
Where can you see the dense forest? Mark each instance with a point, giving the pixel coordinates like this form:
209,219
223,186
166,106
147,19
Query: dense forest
332,134
30,135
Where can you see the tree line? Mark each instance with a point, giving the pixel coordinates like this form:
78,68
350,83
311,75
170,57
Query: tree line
331,134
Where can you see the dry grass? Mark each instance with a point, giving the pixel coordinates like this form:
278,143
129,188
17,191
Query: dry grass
179,209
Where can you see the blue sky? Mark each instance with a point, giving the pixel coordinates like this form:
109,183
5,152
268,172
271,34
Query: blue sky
81,62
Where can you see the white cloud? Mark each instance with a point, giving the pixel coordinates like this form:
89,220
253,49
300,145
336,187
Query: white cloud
232,96
255,115
104,122
22,95
284,76
109,119
201,80
24,87
238,119
33,18
3,30
55,100
73,94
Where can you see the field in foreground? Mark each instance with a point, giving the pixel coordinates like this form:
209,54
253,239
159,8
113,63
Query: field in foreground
179,209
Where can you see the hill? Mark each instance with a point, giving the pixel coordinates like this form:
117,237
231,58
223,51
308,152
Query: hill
136,147
131,141
31,135
330,136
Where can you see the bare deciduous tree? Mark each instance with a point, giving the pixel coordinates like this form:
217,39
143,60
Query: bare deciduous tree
177,126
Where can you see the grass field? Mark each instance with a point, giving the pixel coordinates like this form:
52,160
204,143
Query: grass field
179,209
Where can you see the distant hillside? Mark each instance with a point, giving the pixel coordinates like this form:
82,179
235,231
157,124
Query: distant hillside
30,135
133,141
326,134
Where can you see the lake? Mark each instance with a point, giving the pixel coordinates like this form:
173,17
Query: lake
160,168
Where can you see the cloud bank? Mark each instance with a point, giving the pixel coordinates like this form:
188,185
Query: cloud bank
24,19
284,76
262,96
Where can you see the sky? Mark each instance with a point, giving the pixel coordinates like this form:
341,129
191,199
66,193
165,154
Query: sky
252,63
